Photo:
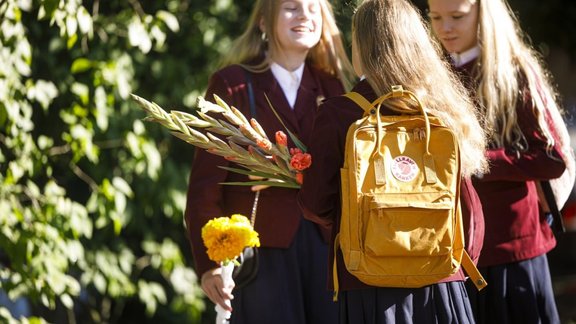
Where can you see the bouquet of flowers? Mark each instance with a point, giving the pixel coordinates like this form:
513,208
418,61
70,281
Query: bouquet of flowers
245,141
225,238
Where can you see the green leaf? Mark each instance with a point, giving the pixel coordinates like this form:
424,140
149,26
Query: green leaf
249,172
82,91
122,186
99,282
49,7
81,65
67,301
84,21
263,182
169,19
294,138
71,41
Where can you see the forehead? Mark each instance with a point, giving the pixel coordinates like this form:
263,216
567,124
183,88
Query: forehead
446,6
303,2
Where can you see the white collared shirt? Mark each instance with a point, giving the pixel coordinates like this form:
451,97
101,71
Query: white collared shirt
289,81
460,59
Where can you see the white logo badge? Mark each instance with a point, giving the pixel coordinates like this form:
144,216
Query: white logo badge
404,168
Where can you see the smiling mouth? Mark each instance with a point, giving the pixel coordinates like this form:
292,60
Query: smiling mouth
302,29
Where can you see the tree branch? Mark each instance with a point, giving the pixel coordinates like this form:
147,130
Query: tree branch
84,177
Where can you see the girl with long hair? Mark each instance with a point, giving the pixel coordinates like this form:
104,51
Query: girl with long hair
291,53
528,143
391,46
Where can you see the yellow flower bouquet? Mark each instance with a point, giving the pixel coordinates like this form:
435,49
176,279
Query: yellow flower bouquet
226,237
237,139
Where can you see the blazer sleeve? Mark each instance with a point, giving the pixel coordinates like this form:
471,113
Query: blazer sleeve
472,219
319,195
204,197
533,164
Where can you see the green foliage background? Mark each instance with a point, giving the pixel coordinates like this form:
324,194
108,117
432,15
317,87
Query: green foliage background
91,197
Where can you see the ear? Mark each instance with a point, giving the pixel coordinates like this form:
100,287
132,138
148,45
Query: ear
261,25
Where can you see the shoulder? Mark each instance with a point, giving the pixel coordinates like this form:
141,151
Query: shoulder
323,75
343,108
233,79
365,89
232,75
331,84
362,87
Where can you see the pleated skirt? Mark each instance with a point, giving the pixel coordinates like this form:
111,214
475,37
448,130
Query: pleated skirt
291,285
443,303
519,292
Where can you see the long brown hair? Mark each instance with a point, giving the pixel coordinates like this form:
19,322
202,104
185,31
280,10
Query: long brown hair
508,65
395,48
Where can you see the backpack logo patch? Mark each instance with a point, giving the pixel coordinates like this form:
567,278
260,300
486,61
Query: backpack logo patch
404,168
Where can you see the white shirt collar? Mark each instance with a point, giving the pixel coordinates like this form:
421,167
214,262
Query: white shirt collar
289,80
460,59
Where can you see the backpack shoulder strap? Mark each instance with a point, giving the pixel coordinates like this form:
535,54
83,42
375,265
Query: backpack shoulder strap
360,101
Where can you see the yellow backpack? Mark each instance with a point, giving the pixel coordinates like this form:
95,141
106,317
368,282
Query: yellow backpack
401,223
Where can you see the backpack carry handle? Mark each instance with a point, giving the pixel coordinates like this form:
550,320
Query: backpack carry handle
373,112
399,92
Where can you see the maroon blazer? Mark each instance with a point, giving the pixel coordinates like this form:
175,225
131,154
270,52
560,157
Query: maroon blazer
515,228
319,196
278,216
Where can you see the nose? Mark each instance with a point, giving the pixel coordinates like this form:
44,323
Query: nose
304,13
447,25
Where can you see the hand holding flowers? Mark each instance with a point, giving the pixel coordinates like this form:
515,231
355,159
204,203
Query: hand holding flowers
225,238
223,130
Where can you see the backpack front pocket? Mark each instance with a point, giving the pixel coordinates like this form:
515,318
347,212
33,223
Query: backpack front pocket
415,225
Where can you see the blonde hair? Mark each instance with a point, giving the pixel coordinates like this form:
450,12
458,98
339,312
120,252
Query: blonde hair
328,55
395,48
508,65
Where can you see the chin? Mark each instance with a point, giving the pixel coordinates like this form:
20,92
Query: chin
307,44
307,40
452,49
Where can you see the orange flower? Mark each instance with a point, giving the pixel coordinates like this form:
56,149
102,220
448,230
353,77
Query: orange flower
281,138
299,160
264,144
299,177
294,151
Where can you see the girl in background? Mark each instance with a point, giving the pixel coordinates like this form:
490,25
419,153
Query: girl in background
293,53
513,91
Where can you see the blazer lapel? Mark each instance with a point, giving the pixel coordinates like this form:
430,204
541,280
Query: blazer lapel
308,93
272,89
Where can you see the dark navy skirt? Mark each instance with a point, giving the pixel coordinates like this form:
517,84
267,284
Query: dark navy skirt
291,285
519,292
443,303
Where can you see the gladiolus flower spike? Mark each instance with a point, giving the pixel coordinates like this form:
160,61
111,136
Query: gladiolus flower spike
237,139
